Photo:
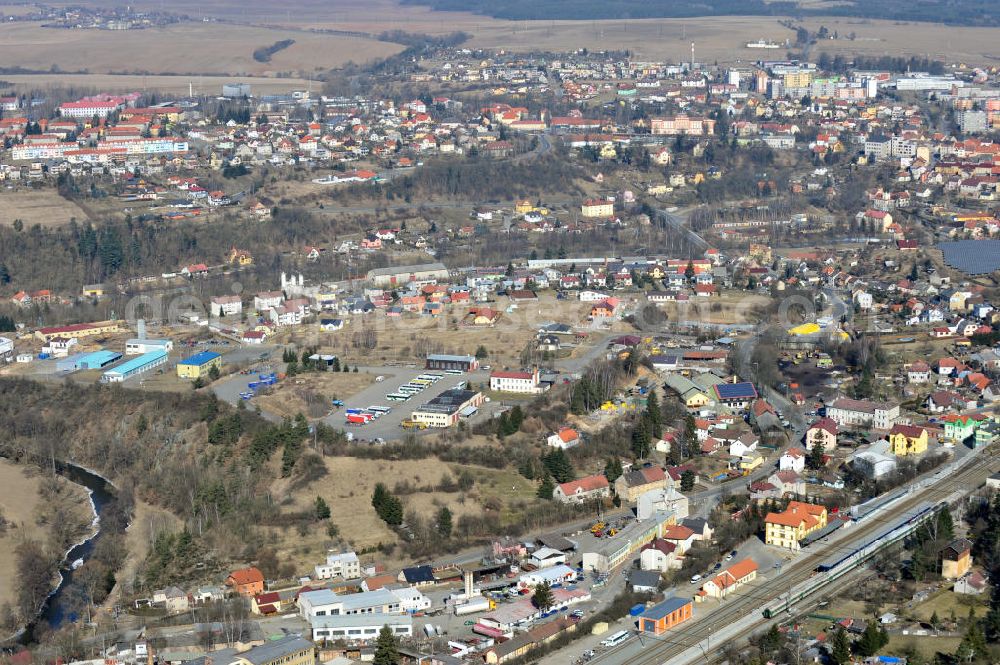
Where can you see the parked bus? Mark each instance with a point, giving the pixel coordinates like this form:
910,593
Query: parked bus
456,372
397,397
615,639
379,409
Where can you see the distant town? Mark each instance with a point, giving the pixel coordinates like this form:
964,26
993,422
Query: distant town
483,356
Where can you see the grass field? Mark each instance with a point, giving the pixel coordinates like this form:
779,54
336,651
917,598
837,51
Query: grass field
44,207
292,396
189,48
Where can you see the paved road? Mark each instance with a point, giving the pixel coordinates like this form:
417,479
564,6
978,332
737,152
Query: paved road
679,224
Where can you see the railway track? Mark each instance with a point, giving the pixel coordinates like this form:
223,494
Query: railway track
672,645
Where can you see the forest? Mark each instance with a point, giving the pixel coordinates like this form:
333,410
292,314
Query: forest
954,12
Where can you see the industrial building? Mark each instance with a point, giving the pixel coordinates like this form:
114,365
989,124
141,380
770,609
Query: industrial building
138,346
445,362
92,360
199,365
445,409
614,551
425,273
359,627
135,366
97,359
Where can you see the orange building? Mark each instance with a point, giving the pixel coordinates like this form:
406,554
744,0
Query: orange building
246,581
664,616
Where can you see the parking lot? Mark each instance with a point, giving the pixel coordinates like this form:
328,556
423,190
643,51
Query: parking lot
388,426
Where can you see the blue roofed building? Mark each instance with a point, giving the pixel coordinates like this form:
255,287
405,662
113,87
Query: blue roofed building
665,615
135,366
417,575
98,359
199,365
735,395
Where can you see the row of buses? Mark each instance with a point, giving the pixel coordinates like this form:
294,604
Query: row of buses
415,386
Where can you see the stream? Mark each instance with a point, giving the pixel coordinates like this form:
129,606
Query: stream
56,609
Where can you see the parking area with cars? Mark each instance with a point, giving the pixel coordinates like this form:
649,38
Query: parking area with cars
381,409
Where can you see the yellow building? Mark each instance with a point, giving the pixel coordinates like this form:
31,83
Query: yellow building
240,257
798,80
598,208
956,559
93,291
199,365
787,528
523,206
78,330
907,440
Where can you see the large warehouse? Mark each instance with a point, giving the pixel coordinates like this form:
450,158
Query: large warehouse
135,366
427,273
446,362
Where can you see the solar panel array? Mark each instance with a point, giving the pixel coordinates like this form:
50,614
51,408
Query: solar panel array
735,390
974,257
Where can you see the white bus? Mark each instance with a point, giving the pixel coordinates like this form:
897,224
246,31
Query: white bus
454,371
379,409
616,639
397,397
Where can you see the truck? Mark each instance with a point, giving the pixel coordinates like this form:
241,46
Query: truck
473,605
358,418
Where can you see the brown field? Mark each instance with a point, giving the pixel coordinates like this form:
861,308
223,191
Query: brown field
730,307
716,38
21,505
161,84
348,488
210,48
43,206
147,522
291,396
18,502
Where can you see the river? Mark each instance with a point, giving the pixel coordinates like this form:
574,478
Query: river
57,608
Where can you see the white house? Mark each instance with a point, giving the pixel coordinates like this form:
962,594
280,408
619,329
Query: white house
266,300
341,564
863,413
592,296
864,300
743,446
226,305
566,437
793,459
516,382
